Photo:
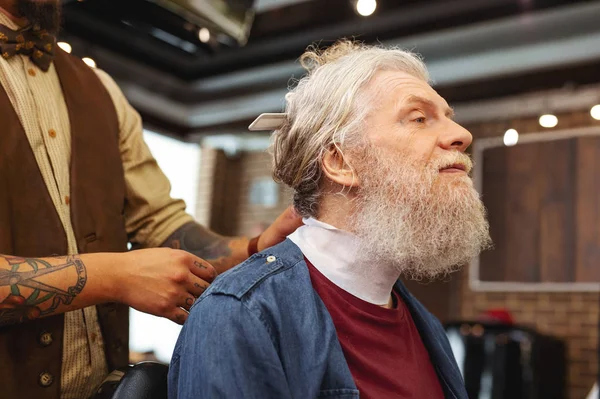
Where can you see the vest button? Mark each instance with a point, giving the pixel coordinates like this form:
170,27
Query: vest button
46,338
52,133
67,200
31,72
46,379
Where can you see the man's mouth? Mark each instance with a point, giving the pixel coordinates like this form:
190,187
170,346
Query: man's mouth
454,168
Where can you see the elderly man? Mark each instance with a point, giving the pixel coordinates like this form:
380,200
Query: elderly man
379,173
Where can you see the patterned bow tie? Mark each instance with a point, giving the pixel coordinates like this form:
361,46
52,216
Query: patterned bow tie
37,44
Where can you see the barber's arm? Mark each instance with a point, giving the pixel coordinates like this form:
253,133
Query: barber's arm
225,351
226,252
31,288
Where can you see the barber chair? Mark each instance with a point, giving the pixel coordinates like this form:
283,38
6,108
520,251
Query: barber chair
504,361
145,380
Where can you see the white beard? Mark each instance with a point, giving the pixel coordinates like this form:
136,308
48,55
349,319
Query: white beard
408,215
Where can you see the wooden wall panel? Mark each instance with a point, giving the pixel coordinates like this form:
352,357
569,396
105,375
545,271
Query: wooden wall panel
492,263
557,216
523,218
587,257
543,202
225,194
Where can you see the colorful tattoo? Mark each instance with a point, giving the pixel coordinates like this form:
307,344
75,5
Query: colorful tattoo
30,297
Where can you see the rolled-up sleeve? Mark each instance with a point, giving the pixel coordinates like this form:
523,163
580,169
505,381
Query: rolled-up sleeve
151,215
225,351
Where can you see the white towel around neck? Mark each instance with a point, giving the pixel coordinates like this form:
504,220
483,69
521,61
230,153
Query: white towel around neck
333,252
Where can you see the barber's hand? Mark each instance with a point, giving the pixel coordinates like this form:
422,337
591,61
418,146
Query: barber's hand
283,226
161,281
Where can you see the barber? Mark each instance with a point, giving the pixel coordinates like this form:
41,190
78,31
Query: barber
77,184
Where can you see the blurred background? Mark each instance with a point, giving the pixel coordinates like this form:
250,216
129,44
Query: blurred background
523,77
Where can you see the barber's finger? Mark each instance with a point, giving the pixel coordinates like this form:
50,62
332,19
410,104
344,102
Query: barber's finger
203,269
187,302
284,225
197,286
179,315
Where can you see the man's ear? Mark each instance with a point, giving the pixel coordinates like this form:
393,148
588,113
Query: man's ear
337,169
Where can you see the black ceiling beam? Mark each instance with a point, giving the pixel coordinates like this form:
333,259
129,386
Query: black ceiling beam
120,38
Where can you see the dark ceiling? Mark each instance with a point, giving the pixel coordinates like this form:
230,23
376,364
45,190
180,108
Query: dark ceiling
142,44
128,27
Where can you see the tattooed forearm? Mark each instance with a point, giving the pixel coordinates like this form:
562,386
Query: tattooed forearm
221,252
197,239
29,287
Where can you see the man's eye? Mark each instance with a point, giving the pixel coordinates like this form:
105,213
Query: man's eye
420,119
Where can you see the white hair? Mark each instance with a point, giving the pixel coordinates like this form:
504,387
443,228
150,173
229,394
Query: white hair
327,109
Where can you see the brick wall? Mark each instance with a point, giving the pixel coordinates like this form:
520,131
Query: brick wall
257,165
216,190
205,185
571,316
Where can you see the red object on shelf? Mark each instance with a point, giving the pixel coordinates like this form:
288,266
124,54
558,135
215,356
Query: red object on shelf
498,315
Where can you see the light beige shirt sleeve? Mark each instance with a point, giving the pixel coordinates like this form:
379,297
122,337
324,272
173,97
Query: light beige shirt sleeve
151,215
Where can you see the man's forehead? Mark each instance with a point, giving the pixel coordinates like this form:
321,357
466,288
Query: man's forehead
436,102
402,88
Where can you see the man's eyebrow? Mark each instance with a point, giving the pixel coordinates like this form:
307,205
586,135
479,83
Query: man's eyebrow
449,112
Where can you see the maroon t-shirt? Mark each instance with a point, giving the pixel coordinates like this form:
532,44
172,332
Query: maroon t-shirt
382,346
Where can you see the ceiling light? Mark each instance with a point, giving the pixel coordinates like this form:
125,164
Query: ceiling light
204,35
90,62
65,46
511,137
595,112
366,7
548,120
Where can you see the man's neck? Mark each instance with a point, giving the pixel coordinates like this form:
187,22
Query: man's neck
335,211
335,252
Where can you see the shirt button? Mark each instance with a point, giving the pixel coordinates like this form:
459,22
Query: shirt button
52,133
67,200
46,338
46,379
31,72
271,259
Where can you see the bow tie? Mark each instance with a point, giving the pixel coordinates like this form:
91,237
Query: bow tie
37,44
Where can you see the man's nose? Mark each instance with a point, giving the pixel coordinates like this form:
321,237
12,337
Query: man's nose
455,137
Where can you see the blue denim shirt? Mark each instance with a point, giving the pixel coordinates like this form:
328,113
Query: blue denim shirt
261,331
